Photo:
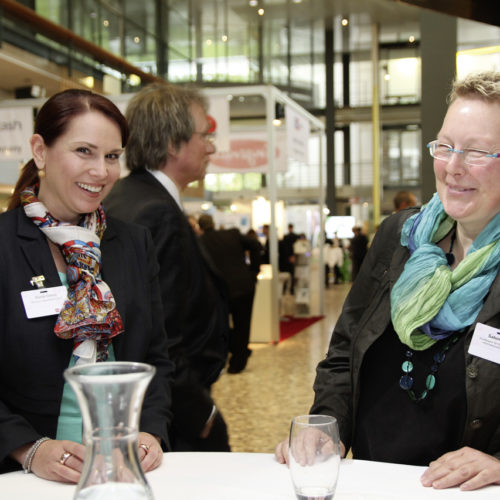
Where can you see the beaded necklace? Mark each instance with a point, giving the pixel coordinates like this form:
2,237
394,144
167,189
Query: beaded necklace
406,380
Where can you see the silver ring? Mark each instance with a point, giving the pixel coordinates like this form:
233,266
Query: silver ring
64,457
145,447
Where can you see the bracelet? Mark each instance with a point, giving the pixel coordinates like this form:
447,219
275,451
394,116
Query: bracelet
28,459
212,413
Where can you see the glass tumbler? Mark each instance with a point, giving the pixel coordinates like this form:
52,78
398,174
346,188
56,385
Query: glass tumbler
314,456
110,395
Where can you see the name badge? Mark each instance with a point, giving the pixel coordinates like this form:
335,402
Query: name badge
44,301
485,343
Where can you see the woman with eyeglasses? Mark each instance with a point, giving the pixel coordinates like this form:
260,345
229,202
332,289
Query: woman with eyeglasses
413,369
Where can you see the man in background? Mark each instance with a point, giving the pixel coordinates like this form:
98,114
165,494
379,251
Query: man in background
357,250
404,199
229,251
289,258
169,147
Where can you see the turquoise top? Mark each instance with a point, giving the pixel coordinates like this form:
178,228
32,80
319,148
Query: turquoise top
69,424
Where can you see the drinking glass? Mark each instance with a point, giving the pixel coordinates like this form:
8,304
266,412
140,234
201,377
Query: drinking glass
314,456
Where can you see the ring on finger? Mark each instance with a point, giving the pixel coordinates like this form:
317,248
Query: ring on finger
145,447
64,457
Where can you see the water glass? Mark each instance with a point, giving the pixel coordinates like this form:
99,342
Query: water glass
314,456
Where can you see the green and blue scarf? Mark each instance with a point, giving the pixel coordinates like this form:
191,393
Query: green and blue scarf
430,301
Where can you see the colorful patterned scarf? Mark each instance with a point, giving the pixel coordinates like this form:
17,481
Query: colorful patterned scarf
429,301
90,310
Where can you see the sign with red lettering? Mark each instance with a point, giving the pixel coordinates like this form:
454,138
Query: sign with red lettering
248,153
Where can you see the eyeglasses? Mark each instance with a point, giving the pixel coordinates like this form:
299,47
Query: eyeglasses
208,137
474,157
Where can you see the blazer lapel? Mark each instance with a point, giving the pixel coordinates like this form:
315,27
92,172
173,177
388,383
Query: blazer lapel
36,251
113,269
491,301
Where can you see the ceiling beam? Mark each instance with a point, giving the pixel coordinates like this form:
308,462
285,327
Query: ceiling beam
484,11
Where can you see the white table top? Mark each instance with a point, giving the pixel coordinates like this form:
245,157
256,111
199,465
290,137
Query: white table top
253,476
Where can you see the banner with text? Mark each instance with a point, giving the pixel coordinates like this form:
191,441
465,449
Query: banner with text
218,108
16,128
248,153
297,133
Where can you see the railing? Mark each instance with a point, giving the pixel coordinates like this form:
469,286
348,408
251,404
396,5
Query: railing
18,12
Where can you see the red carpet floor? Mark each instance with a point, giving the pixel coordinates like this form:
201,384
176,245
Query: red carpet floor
290,325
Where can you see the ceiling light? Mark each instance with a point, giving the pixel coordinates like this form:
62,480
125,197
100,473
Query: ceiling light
106,23
209,42
260,12
137,39
344,21
88,81
134,80
224,38
253,3
411,39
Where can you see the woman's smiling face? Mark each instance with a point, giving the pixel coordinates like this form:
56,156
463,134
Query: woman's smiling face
470,194
80,167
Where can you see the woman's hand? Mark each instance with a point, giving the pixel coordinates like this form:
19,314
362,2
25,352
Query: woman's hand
150,452
281,450
59,461
468,468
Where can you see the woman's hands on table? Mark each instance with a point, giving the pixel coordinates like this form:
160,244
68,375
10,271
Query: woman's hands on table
467,468
62,460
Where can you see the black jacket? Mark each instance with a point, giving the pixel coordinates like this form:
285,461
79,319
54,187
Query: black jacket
366,315
195,312
32,358
227,249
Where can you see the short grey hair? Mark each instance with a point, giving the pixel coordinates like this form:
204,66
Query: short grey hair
159,118
484,85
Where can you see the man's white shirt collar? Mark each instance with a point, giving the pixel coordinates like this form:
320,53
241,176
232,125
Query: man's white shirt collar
168,184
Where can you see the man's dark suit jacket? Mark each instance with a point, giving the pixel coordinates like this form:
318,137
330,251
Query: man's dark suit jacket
195,313
227,250
32,358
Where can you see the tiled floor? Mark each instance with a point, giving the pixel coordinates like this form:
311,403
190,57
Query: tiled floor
259,402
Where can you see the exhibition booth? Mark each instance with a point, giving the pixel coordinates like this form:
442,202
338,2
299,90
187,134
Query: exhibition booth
267,145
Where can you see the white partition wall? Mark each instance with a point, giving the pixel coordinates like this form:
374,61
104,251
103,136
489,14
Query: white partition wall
269,285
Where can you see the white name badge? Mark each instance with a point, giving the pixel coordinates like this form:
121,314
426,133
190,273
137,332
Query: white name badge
44,301
485,343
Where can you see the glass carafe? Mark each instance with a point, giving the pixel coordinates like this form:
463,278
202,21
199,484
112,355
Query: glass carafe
110,396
